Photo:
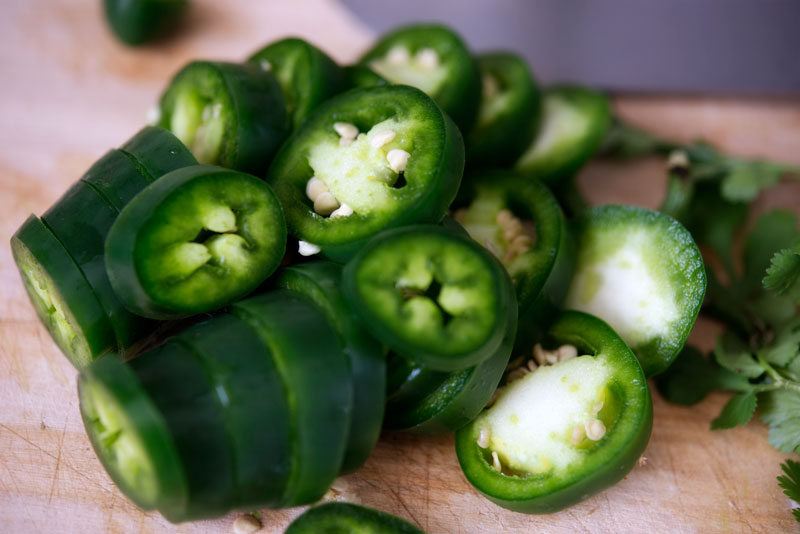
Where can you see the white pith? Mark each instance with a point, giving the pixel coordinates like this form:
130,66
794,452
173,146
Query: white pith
531,423
561,124
424,70
359,174
621,289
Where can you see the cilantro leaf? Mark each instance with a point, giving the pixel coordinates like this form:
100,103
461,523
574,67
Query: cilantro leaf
786,436
790,483
692,376
773,231
738,411
783,274
780,409
733,354
745,179
786,346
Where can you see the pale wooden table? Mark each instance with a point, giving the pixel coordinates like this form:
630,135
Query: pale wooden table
69,92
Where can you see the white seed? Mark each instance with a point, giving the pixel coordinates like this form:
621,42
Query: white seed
304,248
398,159
504,217
325,203
381,138
532,366
346,141
642,461
516,374
315,187
208,111
595,429
153,115
483,438
265,65
216,110
597,407
246,524
577,435
496,461
427,58
345,130
551,358
398,55
342,211
490,86
567,352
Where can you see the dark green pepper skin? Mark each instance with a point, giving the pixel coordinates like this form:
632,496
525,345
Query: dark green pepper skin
117,177
615,456
306,74
356,76
156,151
316,379
91,335
341,517
423,401
183,392
119,381
255,410
136,21
320,282
500,136
454,336
553,164
171,212
459,94
432,176
252,104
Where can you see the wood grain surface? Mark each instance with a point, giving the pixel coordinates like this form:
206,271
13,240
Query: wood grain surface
69,92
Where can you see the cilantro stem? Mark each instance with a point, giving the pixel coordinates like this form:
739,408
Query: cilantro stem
779,382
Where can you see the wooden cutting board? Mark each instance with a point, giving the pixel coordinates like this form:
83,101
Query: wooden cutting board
69,92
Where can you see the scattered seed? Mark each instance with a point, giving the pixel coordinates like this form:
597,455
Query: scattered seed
642,461
597,407
427,58
325,203
153,115
532,366
504,217
304,248
493,398
381,138
460,215
567,352
516,362
398,55
315,187
496,461
551,358
246,524
595,429
539,354
398,159
345,141
345,130
577,435
265,65
342,211
516,374
483,438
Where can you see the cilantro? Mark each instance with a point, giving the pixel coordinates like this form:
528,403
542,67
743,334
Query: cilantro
790,483
783,274
733,354
745,180
738,411
773,231
780,409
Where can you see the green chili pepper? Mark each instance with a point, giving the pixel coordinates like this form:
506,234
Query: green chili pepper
344,517
320,282
435,59
640,271
306,74
509,113
573,126
137,21
367,160
431,295
566,431
194,241
228,114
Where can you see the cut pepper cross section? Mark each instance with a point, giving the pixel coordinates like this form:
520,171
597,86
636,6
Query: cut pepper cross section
367,160
431,295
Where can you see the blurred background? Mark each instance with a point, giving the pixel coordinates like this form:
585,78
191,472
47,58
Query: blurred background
729,46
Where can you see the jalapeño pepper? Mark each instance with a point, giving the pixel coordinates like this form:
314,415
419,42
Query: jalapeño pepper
228,114
194,241
509,112
305,73
343,517
431,295
432,58
565,431
367,160
640,271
